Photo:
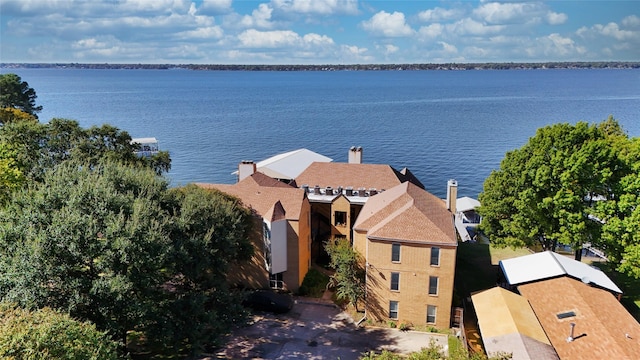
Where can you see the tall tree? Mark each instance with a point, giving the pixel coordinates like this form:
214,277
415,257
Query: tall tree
620,216
112,244
546,191
15,93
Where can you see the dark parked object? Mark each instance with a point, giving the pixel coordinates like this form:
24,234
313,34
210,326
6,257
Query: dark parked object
266,300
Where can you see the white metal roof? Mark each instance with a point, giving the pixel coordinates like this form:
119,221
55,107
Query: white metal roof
290,164
147,140
466,203
548,264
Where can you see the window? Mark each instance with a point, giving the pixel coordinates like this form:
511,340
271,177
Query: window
340,218
393,309
395,252
433,285
431,314
435,256
275,281
395,281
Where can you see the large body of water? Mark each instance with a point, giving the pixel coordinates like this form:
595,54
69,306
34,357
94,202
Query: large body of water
440,124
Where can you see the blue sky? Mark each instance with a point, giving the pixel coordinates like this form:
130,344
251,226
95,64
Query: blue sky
317,31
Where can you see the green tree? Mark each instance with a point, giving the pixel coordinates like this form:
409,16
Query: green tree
49,334
209,231
15,93
349,276
112,244
44,146
546,191
11,176
620,216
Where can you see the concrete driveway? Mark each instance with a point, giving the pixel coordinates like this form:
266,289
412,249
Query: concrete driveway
316,330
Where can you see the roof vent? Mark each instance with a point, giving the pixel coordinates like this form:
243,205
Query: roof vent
565,315
571,338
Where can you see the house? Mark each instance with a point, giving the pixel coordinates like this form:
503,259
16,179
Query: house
282,233
508,325
577,306
407,238
547,265
583,321
337,192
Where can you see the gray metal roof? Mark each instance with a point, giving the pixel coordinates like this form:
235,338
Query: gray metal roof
547,265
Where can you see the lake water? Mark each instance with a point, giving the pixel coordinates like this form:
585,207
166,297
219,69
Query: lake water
440,124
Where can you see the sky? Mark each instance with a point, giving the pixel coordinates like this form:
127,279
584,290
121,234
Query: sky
317,31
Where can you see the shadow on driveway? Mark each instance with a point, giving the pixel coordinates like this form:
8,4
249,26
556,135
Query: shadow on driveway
315,330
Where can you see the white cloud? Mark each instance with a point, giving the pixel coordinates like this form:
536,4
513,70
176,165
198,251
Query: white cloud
518,13
613,30
268,39
554,18
214,7
321,7
448,48
209,32
557,46
260,17
252,38
469,26
430,31
388,25
439,14
631,21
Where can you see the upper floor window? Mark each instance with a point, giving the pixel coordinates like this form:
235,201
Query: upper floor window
395,281
433,285
340,218
435,256
393,309
395,252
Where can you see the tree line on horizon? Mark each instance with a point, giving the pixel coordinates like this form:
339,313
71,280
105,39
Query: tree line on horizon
342,67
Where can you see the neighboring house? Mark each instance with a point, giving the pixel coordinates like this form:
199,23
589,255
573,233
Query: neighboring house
148,146
508,325
408,241
547,265
282,234
466,218
577,305
284,167
583,321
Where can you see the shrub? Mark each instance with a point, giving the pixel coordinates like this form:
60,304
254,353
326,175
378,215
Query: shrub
314,284
49,334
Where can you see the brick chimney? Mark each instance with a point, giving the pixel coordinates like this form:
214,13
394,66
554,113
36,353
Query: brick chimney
452,194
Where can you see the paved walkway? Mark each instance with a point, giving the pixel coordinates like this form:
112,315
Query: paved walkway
316,329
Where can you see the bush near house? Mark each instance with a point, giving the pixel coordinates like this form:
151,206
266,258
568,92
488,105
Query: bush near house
314,284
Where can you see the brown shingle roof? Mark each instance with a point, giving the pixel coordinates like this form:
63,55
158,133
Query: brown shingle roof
407,212
261,193
602,323
350,175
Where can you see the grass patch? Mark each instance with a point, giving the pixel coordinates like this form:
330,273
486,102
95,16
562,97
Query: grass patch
477,266
314,284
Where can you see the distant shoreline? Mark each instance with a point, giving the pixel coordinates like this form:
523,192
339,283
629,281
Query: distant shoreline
335,67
